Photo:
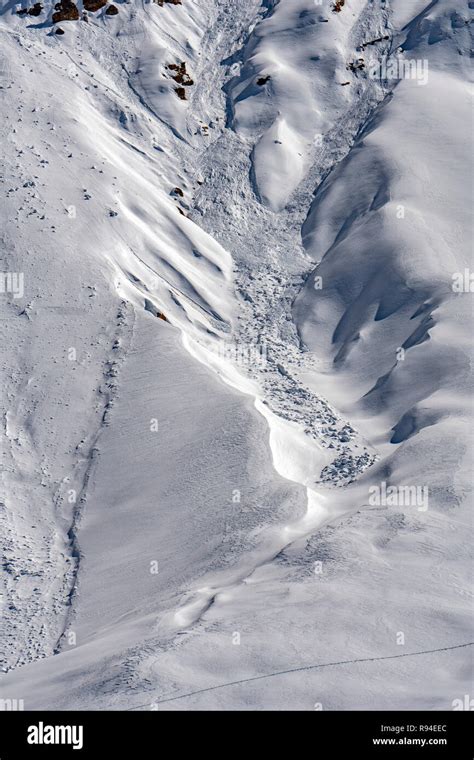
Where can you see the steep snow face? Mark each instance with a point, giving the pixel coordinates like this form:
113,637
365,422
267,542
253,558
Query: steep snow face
91,191
391,226
291,88
247,173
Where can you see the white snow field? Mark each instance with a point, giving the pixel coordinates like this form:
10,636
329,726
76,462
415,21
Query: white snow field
236,314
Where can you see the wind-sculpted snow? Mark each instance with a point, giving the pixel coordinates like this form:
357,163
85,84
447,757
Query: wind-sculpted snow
272,195
381,311
289,90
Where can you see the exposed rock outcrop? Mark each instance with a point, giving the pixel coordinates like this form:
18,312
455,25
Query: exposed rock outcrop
180,76
65,11
34,11
94,5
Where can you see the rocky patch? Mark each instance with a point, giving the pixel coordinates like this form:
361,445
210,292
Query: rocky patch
35,10
65,11
180,75
93,5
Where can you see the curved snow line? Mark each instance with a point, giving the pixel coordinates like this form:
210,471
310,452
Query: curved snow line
298,422
295,457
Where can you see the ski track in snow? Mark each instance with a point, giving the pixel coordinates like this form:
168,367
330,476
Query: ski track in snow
301,669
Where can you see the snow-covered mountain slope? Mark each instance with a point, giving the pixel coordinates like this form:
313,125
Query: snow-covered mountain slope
238,227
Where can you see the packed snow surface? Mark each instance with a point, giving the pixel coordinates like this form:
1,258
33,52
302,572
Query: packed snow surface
236,325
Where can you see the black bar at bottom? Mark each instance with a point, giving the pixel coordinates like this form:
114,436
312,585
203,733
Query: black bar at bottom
101,734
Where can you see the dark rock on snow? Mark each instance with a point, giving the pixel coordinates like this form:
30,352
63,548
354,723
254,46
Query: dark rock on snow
34,11
94,5
65,11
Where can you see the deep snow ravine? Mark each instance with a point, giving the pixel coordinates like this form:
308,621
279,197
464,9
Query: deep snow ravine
269,261
302,425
